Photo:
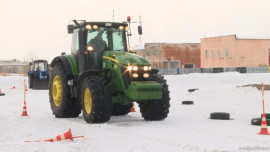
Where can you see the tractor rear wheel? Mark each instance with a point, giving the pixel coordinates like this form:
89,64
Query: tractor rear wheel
95,99
156,109
119,109
62,105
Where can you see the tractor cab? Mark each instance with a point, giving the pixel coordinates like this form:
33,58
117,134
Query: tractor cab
91,39
39,68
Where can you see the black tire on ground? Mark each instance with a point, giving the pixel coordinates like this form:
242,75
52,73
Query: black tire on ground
220,115
192,90
62,105
95,99
2,94
258,121
30,81
267,115
119,109
187,102
156,109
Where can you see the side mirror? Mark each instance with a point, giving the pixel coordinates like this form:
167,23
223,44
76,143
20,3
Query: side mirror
140,30
70,29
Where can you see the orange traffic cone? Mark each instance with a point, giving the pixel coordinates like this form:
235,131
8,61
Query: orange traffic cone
25,88
13,87
133,108
24,113
67,135
264,130
1,93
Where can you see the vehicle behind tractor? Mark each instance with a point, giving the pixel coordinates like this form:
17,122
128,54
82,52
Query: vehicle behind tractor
38,76
101,77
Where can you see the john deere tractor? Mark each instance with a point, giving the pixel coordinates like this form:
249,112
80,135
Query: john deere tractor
101,77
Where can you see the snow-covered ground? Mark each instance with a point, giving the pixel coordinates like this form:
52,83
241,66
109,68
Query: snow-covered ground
187,128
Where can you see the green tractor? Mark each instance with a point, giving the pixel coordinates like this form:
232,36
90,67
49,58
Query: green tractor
102,77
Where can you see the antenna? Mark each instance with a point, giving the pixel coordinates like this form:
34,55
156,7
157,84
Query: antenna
113,16
140,38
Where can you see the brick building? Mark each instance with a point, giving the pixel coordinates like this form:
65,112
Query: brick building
172,56
230,51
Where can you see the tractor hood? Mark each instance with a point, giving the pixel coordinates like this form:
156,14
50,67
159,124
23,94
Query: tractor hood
126,58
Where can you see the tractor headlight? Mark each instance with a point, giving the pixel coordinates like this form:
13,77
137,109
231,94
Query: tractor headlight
121,27
126,28
135,75
145,75
88,26
146,68
95,27
129,68
135,68
90,48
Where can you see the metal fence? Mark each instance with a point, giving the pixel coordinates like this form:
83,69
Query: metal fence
260,69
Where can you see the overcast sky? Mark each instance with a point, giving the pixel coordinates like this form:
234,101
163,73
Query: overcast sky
37,28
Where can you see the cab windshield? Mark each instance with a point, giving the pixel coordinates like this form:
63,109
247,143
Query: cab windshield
42,66
107,39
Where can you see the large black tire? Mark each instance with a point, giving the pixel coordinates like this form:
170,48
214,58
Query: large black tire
258,121
95,99
220,115
119,109
187,102
62,105
30,81
192,90
156,109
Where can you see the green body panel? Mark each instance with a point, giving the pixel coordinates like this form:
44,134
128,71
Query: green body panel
73,64
137,90
144,90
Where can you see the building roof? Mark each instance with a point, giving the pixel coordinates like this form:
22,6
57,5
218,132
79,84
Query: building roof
237,38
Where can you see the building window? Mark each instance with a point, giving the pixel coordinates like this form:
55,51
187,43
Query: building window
148,53
206,53
155,52
189,66
219,53
227,53
213,53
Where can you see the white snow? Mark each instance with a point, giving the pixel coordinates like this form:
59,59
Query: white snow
186,129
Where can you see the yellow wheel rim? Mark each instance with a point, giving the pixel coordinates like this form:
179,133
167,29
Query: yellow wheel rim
87,101
57,90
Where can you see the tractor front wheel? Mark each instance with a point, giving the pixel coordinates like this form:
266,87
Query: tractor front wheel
96,100
156,109
62,105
